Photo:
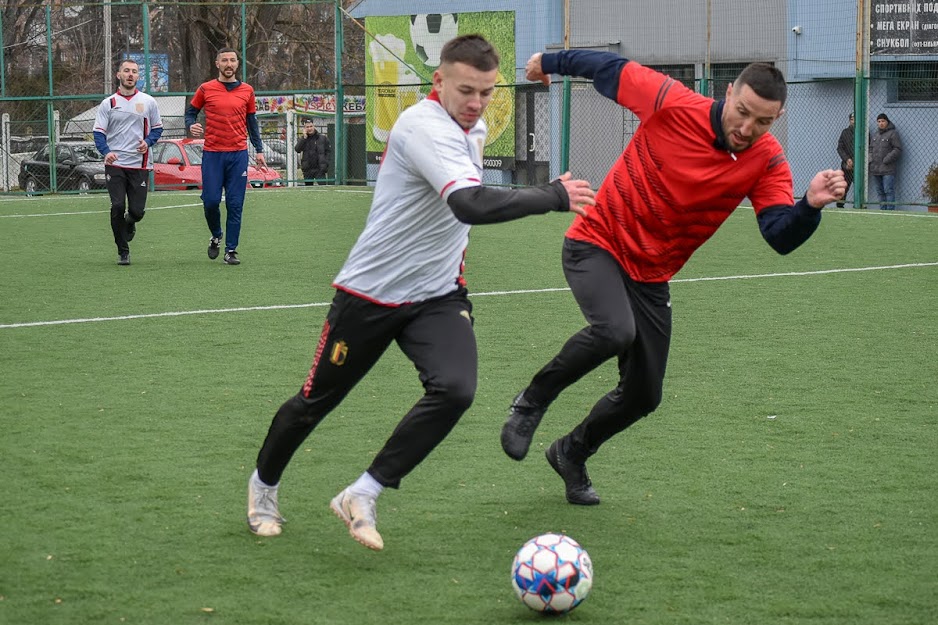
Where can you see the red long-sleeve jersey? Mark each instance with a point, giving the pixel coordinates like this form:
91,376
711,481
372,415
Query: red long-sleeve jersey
672,187
226,112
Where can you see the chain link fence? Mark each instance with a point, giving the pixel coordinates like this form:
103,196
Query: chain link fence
58,60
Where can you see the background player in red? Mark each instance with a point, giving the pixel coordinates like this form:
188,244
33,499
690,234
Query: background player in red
689,165
229,119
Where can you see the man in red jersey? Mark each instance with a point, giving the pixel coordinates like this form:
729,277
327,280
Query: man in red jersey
689,165
229,119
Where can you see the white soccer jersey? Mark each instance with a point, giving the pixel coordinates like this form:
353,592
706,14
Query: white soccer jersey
125,121
412,247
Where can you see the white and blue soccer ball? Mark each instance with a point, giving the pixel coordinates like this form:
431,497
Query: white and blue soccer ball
552,573
429,31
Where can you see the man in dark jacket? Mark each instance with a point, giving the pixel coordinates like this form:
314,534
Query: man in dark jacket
316,151
885,150
845,150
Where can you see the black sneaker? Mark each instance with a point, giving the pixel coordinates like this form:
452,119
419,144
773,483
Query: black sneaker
123,259
523,419
213,247
130,230
575,477
231,258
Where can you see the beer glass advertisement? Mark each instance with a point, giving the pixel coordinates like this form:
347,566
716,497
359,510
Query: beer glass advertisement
402,55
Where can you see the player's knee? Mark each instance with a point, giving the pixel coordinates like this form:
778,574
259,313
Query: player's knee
305,411
457,393
614,338
636,402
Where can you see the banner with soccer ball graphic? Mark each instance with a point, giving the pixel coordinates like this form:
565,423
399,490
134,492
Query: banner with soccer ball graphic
400,59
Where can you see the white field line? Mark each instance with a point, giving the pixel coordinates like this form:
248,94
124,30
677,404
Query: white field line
149,208
97,197
210,311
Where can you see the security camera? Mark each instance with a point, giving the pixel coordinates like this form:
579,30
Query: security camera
796,30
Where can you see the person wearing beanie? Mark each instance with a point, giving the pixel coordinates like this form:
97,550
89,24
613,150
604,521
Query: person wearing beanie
885,150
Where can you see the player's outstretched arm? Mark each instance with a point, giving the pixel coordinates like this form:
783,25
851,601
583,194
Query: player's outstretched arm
488,205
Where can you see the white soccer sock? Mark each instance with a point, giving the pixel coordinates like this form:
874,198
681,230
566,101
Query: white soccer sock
366,485
256,478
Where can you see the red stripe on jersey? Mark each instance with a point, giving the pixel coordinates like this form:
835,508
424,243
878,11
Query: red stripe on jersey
323,338
452,182
448,185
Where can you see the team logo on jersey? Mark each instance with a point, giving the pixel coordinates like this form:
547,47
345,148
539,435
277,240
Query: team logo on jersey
139,107
338,353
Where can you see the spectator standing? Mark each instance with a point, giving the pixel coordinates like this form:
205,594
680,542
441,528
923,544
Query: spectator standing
885,151
845,149
126,124
316,153
230,116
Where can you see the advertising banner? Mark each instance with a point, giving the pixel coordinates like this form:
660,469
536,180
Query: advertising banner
399,63
904,27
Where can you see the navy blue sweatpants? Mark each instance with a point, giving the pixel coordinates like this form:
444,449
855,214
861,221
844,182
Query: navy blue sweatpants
228,171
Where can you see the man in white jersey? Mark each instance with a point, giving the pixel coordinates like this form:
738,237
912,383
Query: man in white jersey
126,125
403,282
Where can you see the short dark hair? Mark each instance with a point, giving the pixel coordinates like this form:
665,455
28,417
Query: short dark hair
224,50
766,80
473,50
121,64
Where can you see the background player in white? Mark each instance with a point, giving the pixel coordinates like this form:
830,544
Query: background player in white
126,125
403,282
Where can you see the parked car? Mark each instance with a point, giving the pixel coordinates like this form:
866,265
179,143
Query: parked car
275,153
177,164
78,166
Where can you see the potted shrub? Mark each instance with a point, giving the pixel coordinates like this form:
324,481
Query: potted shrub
930,188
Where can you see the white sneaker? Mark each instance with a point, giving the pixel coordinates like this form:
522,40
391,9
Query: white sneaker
263,510
358,514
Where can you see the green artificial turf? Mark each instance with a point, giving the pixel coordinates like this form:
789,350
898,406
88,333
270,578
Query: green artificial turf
789,476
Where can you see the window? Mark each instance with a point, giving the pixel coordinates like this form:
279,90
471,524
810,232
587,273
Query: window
684,74
908,81
167,152
722,76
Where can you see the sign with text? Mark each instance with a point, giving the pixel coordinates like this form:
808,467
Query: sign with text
904,27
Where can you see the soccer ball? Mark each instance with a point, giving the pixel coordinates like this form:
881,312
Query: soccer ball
552,573
429,32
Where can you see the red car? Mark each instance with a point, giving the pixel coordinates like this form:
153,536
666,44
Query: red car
177,164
